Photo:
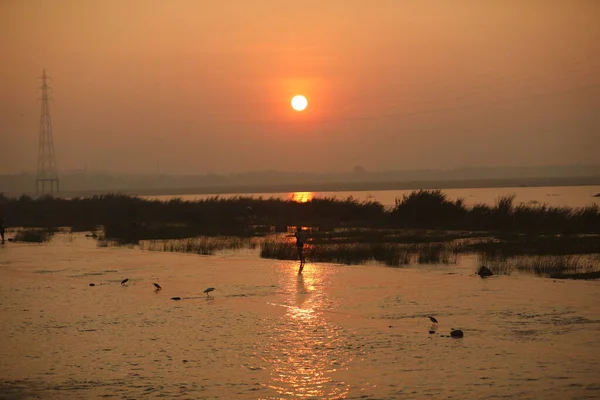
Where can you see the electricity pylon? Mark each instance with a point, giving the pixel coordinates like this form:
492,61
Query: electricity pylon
47,172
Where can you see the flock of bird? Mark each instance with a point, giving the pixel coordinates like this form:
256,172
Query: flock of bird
157,287
455,333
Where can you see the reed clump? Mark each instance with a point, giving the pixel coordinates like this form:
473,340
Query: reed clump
199,245
526,244
34,235
558,267
436,253
391,254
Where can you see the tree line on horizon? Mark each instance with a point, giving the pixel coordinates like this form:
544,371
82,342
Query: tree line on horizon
420,209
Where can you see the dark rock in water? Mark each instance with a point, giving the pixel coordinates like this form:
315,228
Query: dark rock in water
92,284
431,332
457,333
175,298
484,272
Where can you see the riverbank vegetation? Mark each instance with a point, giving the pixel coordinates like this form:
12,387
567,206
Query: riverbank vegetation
34,235
423,227
422,209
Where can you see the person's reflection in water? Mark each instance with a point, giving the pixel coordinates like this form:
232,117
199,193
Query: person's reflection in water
306,350
301,291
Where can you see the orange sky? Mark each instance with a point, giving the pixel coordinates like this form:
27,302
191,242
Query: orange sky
205,85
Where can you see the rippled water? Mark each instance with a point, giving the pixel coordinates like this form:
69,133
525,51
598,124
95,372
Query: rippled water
267,333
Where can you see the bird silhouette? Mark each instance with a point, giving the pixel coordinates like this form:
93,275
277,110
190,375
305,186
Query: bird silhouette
157,286
208,290
124,281
435,321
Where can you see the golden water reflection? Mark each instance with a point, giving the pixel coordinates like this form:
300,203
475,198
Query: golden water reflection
306,349
302,197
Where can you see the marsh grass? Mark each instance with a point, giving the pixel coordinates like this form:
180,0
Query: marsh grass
199,245
278,249
390,235
433,210
424,227
436,253
526,244
391,254
558,267
105,243
35,235
90,228
131,218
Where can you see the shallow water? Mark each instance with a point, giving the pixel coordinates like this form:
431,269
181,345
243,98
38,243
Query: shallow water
267,333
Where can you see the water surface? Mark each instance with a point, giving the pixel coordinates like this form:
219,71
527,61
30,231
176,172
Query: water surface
268,333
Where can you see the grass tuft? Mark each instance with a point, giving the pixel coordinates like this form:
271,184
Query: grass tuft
34,235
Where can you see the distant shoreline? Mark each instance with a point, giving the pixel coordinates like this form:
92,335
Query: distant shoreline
346,186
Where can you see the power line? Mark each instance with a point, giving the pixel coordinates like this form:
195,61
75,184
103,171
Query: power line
464,106
434,110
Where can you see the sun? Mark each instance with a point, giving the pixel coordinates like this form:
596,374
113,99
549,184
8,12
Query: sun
299,103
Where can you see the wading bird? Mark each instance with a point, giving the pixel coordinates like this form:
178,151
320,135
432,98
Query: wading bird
157,286
124,281
210,289
435,321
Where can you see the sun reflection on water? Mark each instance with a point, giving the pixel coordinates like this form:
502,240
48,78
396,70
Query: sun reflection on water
307,349
302,197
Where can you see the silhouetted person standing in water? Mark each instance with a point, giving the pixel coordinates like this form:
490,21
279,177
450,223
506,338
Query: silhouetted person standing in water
300,240
2,228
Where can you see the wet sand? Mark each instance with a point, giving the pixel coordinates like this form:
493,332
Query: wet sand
266,332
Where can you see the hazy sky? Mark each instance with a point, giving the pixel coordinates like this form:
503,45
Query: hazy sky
392,84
